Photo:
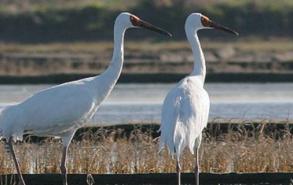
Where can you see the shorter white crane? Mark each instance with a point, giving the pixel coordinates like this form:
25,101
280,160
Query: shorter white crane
186,107
61,110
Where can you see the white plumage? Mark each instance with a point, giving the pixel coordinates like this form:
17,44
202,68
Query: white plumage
186,108
39,115
61,110
58,111
184,116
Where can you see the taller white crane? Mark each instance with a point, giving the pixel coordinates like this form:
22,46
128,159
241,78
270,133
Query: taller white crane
61,110
186,107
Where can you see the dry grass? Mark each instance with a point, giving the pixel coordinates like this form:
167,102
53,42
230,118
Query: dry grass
110,151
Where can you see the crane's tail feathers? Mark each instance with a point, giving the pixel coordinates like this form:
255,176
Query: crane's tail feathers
191,147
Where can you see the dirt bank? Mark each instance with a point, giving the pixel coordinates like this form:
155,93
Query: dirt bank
146,59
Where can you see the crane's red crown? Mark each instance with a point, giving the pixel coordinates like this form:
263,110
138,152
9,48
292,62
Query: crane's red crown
135,20
205,21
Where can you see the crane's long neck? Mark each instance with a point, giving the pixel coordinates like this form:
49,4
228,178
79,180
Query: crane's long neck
199,68
112,73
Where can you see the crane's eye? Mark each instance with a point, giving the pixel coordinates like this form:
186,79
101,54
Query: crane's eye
135,20
205,21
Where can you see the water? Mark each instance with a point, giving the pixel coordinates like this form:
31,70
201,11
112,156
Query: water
141,103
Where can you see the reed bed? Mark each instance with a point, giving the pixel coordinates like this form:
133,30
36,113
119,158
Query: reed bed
114,151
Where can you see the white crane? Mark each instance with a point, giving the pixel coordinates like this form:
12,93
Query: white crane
186,107
61,110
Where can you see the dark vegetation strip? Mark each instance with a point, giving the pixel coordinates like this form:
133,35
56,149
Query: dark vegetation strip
93,22
151,78
158,179
274,130
215,130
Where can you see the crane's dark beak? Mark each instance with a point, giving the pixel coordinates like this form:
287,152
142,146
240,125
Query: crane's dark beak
143,24
151,27
223,28
206,22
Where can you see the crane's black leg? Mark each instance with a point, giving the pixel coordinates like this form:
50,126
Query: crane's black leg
178,170
10,144
63,165
196,168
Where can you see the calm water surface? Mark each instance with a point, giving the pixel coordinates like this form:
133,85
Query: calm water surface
141,103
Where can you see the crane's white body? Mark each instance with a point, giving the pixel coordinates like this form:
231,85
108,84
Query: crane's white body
39,115
186,107
184,116
61,110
